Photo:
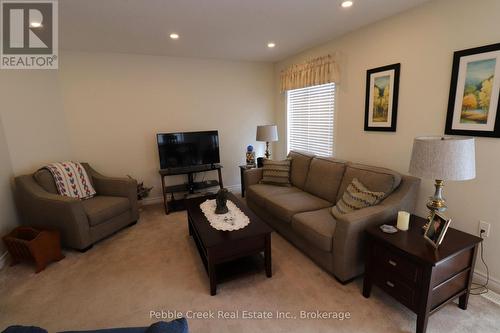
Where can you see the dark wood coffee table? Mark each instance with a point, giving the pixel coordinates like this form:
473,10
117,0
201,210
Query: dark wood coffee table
217,247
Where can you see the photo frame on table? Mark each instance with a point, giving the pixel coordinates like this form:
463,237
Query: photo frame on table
437,228
381,100
474,100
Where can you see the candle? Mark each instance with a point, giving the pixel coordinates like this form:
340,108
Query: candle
403,220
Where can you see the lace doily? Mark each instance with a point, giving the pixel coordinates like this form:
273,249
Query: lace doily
234,219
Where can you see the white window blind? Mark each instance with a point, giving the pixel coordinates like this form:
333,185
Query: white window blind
310,119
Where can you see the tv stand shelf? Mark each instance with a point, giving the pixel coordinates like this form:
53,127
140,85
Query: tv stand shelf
191,185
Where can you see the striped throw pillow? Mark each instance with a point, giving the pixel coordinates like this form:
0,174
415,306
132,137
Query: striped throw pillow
355,197
276,172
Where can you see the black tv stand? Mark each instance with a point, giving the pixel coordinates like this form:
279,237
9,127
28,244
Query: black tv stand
191,186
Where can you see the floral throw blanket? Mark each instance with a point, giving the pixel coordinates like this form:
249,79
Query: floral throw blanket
71,180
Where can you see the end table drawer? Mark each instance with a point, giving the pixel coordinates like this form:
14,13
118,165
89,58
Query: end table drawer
397,289
396,264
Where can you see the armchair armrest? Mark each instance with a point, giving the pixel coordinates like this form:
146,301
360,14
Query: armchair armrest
43,209
252,176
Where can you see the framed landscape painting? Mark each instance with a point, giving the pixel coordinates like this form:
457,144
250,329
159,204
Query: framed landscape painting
473,105
381,101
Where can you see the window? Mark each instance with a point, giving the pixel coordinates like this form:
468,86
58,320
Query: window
310,119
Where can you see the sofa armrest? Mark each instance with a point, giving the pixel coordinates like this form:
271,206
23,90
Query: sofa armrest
115,186
252,176
349,235
349,238
38,207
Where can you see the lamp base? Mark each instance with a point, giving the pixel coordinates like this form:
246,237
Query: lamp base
267,153
436,203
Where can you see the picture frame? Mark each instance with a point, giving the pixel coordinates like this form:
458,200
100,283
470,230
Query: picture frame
474,99
435,232
381,100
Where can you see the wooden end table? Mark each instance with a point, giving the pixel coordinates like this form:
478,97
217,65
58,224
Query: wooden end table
422,278
244,168
217,247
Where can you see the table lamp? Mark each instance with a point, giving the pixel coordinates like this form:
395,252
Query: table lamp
267,133
442,158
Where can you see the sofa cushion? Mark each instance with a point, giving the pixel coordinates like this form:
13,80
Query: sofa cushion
101,208
374,178
324,177
299,167
317,227
260,193
284,206
44,178
356,196
276,172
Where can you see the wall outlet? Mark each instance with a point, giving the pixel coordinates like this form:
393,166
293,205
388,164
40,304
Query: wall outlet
486,227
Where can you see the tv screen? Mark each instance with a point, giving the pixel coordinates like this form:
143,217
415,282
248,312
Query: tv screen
188,149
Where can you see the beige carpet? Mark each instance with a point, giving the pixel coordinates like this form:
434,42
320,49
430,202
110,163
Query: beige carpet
155,266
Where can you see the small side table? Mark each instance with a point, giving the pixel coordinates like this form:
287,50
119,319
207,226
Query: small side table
35,245
422,278
243,168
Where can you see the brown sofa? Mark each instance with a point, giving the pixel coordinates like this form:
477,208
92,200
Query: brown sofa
81,222
302,213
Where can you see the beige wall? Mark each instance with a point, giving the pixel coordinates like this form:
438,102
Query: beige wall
8,217
32,131
33,119
115,104
423,41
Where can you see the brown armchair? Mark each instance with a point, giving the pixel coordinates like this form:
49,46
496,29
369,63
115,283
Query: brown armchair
81,222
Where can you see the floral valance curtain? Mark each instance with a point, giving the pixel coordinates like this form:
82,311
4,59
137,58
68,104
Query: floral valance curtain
311,73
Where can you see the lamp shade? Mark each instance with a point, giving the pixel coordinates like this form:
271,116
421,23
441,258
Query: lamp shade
267,133
443,158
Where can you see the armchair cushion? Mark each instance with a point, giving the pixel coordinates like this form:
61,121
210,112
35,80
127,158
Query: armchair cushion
102,208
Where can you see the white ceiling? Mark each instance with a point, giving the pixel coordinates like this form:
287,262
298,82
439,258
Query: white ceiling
224,29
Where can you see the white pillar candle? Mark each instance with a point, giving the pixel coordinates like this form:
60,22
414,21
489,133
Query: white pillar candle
403,220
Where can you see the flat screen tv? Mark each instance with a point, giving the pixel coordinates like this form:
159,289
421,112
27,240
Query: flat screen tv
187,149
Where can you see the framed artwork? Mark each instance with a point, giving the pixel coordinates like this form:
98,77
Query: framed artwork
381,102
437,228
473,105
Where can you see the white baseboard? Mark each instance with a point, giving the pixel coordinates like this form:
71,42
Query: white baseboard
156,200
151,201
3,259
493,284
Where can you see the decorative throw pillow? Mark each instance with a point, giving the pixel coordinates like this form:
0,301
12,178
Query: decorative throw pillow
355,197
276,172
